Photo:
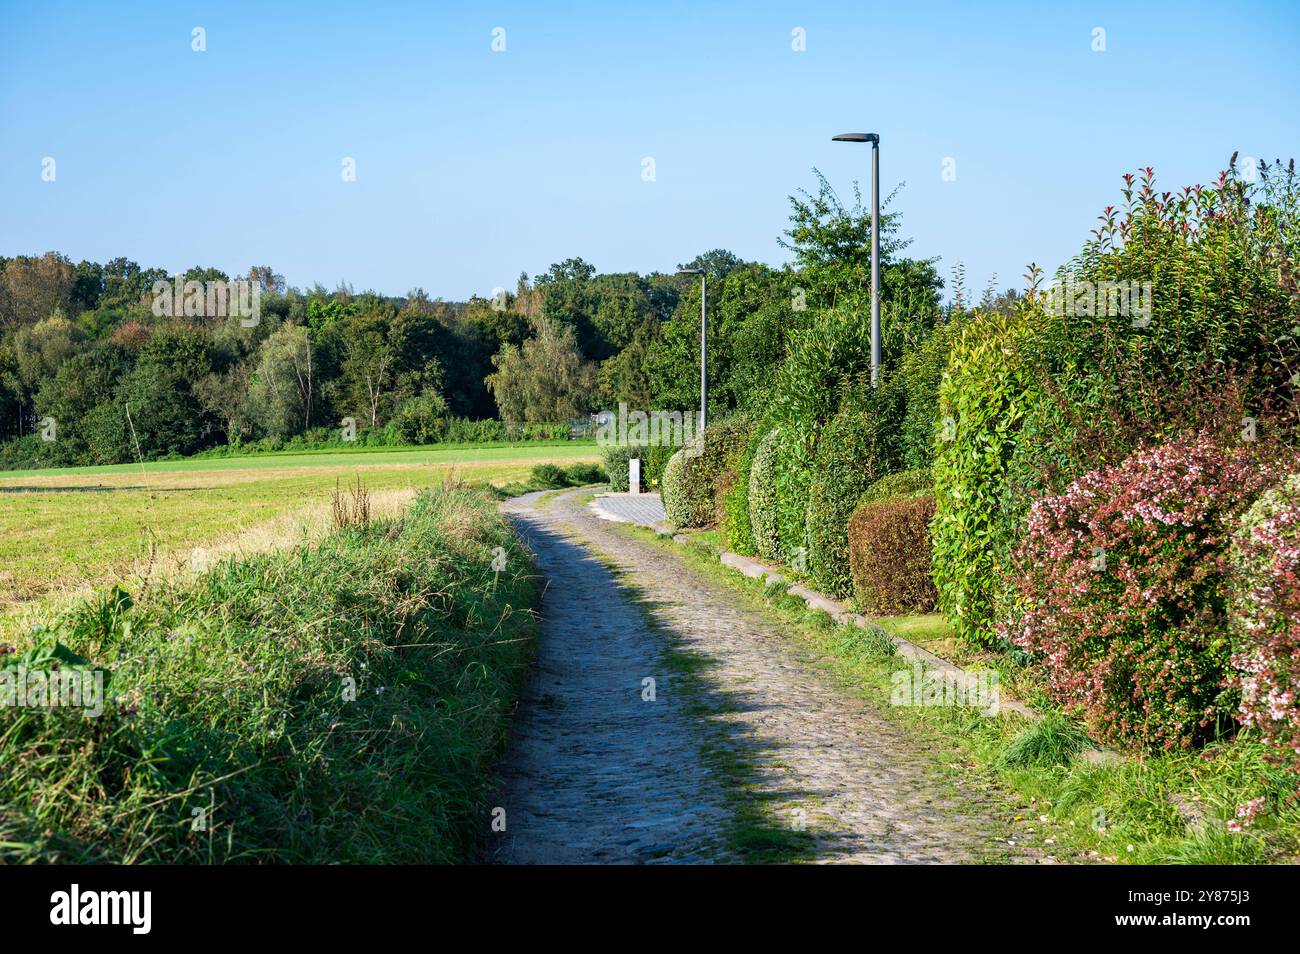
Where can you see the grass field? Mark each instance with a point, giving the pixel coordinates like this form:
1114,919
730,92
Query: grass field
64,531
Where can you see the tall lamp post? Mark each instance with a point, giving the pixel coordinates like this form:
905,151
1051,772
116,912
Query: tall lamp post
704,344
874,139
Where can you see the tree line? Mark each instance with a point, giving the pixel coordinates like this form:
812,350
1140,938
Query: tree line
92,373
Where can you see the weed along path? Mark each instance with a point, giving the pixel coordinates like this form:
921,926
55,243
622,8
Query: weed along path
741,749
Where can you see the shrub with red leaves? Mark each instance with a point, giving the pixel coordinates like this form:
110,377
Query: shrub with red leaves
1125,593
889,555
1266,619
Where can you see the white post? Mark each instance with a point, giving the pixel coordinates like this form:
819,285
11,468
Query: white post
634,475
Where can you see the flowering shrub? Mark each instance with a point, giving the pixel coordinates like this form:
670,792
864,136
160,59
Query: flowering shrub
1266,618
1124,591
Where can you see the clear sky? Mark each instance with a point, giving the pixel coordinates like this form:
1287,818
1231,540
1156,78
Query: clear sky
473,165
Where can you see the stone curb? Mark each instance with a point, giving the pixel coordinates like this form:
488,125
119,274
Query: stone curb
842,614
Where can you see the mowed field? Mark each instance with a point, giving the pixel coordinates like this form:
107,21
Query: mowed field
65,531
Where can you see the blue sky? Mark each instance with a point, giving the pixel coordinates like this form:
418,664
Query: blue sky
472,165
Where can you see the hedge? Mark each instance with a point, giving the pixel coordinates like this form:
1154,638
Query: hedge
889,555
690,481
733,516
858,447
983,399
762,498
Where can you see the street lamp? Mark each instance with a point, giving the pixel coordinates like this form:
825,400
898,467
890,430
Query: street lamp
874,139
704,344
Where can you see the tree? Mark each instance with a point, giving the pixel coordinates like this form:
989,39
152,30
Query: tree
158,394
82,383
34,288
281,390
370,356
544,380
831,242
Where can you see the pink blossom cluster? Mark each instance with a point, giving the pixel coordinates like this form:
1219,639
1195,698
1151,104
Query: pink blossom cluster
1267,619
1124,591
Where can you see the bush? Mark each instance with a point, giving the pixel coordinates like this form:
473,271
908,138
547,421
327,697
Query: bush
671,490
922,371
983,398
733,516
420,420
905,483
889,555
854,450
832,347
616,458
1124,591
762,498
691,479
1266,619
580,475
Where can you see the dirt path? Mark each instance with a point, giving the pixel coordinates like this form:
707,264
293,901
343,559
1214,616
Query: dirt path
742,725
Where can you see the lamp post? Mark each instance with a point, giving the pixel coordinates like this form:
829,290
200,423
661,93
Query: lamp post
704,344
874,139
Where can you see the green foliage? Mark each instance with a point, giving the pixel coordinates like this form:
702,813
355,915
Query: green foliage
616,461
231,694
922,372
762,498
421,420
545,379
833,346
1051,740
853,451
905,483
695,475
737,531
983,398
677,508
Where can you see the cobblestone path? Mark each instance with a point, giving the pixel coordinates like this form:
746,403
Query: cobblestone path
596,772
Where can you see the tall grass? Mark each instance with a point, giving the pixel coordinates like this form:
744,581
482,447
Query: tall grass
343,702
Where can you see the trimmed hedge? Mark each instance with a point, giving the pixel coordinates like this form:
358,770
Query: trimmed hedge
889,555
853,451
983,399
654,459
733,508
905,483
616,458
691,480
762,498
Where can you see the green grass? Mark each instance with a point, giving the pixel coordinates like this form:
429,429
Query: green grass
365,456
63,532
1154,808
230,697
